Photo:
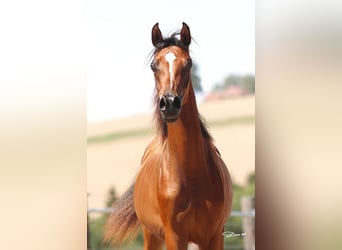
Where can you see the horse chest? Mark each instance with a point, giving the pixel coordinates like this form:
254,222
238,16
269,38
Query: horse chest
174,187
188,201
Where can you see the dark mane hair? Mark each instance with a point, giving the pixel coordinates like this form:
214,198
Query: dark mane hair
170,41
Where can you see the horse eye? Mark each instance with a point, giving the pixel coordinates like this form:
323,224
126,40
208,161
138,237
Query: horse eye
154,66
188,64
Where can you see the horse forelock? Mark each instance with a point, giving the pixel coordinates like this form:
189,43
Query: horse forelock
171,40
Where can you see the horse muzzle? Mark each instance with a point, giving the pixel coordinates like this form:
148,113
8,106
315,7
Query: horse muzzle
170,106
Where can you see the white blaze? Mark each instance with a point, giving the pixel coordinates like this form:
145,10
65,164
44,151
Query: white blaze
170,57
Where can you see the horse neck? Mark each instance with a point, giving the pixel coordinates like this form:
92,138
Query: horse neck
185,140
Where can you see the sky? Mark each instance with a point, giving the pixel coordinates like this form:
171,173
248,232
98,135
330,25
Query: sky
118,41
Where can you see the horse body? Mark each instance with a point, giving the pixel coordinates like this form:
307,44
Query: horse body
183,191
184,187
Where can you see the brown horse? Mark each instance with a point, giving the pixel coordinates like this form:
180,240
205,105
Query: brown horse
183,192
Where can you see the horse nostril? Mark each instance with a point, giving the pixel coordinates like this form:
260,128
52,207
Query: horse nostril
177,102
170,102
162,103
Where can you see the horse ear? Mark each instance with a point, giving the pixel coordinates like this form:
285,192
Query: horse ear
157,36
185,35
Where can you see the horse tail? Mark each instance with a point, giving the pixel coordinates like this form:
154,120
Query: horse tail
122,223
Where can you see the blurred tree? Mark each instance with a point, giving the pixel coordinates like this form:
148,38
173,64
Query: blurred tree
244,81
251,179
88,229
111,197
196,79
234,224
248,82
97,228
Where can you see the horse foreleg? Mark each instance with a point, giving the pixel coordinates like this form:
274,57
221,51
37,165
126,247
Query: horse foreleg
215,243
173,241
152,242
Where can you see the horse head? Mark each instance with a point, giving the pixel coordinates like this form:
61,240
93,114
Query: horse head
171,66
